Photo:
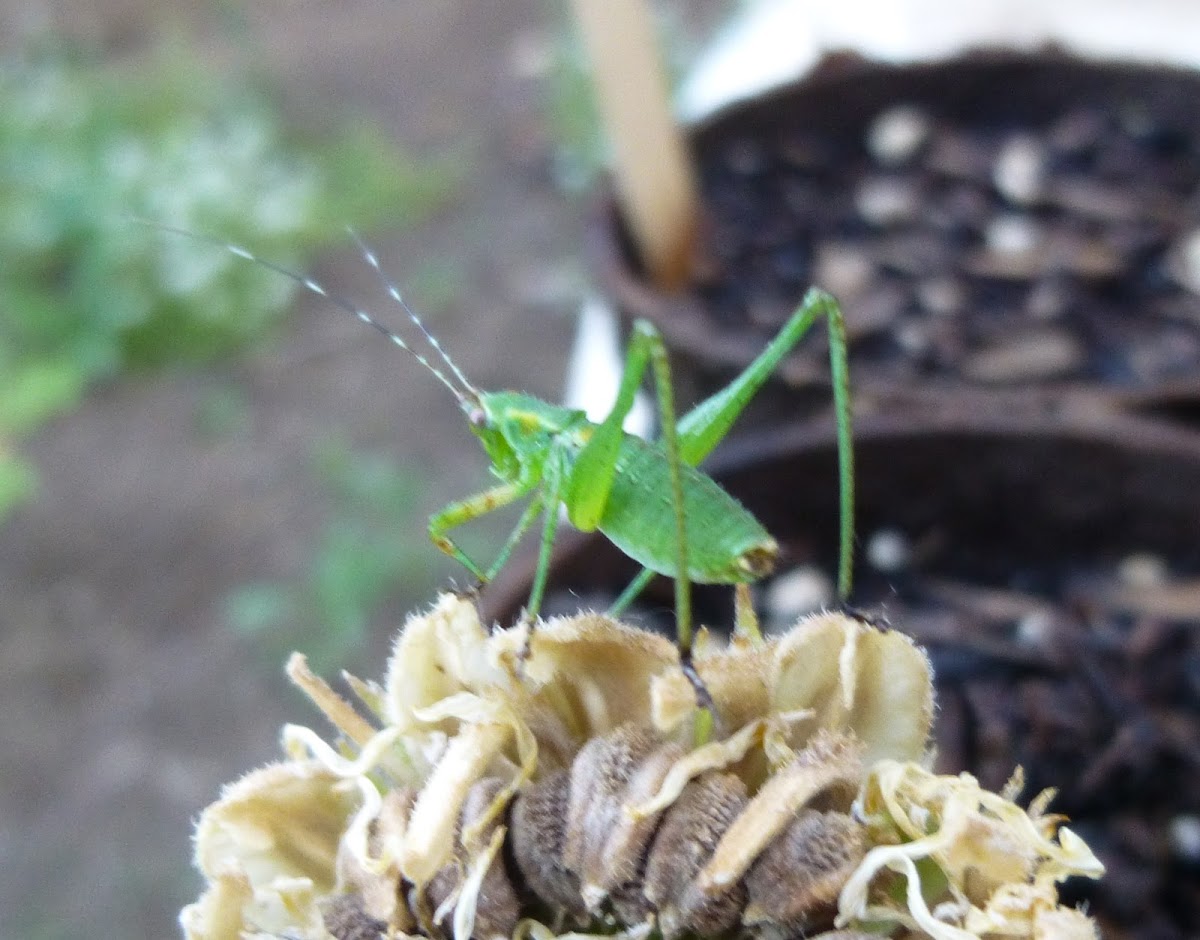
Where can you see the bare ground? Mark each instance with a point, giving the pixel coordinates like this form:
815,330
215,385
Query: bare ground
127,699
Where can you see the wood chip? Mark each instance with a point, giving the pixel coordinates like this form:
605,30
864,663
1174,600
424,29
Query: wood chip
1032,356
1179,600
1097,200
960,157
1019,249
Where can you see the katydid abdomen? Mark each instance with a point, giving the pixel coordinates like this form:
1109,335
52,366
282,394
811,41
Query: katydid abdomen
726,544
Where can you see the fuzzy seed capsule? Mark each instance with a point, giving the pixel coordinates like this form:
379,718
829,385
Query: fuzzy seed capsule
487,795
797,879
685,842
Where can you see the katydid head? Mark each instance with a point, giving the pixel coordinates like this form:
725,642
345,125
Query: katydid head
515,428
484,423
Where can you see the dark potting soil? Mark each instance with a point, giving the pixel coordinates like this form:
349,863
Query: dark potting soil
1089,680
983,243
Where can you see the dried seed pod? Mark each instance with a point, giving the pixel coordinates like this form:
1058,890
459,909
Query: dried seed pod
825,775
493,802
345,919
797,879
539,824
599,777
684,843
497,909
642,865
605,845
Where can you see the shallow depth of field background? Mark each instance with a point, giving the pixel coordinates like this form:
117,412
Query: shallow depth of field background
202,468
193,522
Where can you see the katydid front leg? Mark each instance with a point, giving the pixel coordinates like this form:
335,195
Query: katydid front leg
467,510
548,497
706,425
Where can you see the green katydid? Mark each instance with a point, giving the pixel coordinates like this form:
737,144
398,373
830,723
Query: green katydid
647,498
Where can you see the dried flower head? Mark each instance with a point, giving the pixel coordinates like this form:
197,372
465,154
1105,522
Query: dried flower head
492,798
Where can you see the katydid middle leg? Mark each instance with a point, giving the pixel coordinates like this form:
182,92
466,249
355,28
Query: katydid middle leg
553,476
706,425
547,495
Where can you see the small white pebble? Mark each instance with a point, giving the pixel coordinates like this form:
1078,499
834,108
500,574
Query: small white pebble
1047,301
1034,628
843,270
1142,570
801,591
889,551
912,337
1186,261
1185,837
1019,171
897,134
941,296
882,201
1011,234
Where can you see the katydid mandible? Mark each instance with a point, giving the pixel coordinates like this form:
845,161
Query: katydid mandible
647,498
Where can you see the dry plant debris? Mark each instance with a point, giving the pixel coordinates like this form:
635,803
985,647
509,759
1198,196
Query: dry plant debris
476,795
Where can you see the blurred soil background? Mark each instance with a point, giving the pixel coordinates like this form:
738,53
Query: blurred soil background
192,525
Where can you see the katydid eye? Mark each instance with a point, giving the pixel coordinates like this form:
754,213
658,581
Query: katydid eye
477,418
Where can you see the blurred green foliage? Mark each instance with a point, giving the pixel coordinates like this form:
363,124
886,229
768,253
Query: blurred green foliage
372,547
86,292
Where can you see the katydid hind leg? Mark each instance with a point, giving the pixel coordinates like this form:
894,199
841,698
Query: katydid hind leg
646,337
644,334
595,466
840,371
706,425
